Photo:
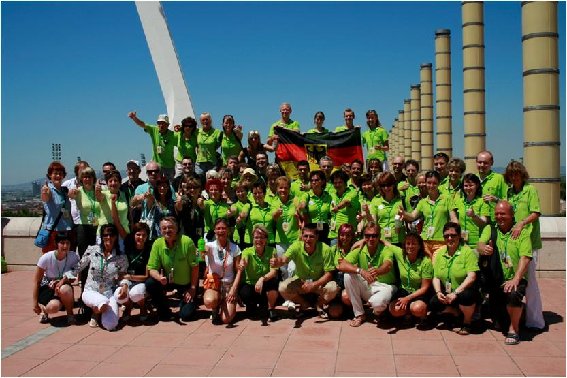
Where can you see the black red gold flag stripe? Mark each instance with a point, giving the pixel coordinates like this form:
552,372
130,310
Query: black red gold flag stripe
342,147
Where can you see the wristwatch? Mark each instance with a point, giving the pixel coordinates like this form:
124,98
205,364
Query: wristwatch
357,270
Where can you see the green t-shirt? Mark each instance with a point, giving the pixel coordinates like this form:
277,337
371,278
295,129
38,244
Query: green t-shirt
345,215
412,190
455,267
375,137
343,128
510,249
89,208
287,226
411,274
435,215
311,266
469,230
106,210
385,213
338,254
270,197
315,131
182,258
239,207
162,146
258,266
295,189
214,211
186,147
494,184
525,203
230,146
318,208
453,193
207,144
260,215
362,259
292,125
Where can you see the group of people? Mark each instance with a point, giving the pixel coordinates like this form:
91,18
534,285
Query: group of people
228,228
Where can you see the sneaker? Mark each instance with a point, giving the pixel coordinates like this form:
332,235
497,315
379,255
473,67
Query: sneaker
71,320
93,323
44,318
290,305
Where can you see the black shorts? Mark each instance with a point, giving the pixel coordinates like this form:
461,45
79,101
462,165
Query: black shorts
403,293
46,294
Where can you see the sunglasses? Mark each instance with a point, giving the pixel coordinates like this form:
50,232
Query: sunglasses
152,171
371,236
108,235
448,236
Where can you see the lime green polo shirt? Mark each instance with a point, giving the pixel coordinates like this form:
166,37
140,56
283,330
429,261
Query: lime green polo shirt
89,207
287,226
270,197
318,208
186,147
345,215
329,188
411,274
385,213
525,203
182,258
468,226
310,266
337,254
207,144
291,125
375,137
452,192
362,259
315,131
230,146
257,266
106,210
214,211
162,146
435,215
510,249
495,185
263,216
454,267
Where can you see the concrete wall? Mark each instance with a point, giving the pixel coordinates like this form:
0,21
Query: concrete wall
19,233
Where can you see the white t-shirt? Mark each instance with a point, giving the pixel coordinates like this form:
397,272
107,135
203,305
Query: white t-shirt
215,258
75,212
57,268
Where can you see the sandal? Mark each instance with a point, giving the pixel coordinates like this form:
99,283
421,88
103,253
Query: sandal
512,338
357,321
465,330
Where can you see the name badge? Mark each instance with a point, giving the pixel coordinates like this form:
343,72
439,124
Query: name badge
465,235
430,231
447,286
387,232
285,226
320,226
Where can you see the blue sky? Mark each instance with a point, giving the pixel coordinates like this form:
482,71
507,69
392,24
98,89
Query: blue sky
71,71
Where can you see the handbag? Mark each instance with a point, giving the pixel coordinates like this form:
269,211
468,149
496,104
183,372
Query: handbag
42,237
212,281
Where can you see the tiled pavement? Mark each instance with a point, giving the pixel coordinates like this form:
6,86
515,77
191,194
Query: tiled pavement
316,348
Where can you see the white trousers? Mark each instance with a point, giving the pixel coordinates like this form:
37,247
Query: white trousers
534,314
377,294
288,270
137,292
109,318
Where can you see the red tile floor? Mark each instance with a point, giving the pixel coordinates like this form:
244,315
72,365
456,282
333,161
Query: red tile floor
317,348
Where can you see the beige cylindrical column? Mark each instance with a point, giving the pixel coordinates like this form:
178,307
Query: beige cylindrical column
425,77
407,129
473,81
415,106
541,101
443,91
401,135
393,139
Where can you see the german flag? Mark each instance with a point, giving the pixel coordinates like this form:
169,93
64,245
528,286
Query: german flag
342,147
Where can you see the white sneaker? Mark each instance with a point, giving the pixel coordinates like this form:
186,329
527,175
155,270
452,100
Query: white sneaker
93,323
43,318
290,305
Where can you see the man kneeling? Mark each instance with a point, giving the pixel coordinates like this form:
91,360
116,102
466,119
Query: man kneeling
314,265
370,275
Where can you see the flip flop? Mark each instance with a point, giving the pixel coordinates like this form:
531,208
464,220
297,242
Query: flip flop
357,321
512,338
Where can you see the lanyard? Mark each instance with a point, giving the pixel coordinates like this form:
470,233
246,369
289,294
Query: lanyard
162,139
451,261
339,200
285,209
319,203
374,258
91,200
503,255
216,206
433,207
409,264
136,258
103,265
264,211
60,272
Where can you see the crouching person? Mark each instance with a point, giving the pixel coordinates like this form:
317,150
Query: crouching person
515,257
312,283
259,291
172,265
369,275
